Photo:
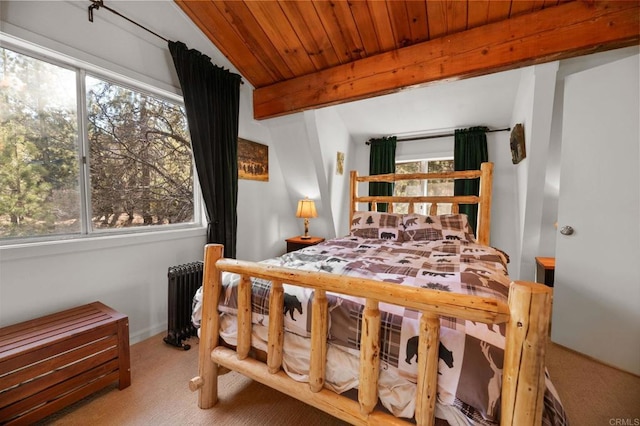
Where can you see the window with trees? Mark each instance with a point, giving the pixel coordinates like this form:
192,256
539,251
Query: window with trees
81,154
417,188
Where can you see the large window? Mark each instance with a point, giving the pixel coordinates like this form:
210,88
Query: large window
80,154
438,187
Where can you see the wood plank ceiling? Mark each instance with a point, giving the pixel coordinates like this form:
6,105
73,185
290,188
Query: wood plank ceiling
308,54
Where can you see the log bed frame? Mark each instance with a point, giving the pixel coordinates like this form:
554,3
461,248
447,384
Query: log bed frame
526,315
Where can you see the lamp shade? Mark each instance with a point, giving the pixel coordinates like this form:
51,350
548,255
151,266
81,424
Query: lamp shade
306,209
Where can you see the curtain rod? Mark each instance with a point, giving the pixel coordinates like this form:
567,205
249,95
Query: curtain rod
97,4
442,135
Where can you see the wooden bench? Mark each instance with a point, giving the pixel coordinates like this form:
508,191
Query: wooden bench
51,362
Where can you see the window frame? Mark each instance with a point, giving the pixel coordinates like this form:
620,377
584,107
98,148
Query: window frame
424,158
82,70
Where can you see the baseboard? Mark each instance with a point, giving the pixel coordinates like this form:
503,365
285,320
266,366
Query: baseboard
147,333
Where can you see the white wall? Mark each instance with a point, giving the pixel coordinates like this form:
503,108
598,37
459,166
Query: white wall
333,137
320,166
129,273
534,109
504,211
295,143
265,215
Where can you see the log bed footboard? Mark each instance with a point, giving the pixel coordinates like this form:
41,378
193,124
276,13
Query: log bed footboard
526,315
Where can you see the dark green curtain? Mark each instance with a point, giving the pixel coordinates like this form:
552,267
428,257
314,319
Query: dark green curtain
212,101
470,150
382,160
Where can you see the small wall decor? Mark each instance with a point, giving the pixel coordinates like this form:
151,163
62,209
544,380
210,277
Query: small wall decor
253,160
340,163
518,150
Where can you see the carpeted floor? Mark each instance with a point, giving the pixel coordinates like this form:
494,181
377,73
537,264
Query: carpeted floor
593,394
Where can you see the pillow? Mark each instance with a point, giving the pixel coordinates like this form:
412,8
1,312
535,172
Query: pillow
376,225
418,227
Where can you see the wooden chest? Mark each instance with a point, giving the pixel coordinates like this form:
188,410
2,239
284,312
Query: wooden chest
51,362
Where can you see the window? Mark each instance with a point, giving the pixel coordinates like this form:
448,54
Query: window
139,157
80,154
437,187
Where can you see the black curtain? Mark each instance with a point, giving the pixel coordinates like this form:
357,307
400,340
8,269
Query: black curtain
382,160
470,150
212,101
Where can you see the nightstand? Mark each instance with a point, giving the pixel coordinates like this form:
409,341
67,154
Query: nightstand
545,270
297,243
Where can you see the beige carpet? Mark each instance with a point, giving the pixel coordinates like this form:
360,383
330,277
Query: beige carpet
593,394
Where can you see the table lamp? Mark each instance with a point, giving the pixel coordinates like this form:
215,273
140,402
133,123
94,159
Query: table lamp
306,209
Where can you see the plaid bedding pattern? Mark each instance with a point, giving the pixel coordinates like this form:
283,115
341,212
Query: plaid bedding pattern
470,354
417,227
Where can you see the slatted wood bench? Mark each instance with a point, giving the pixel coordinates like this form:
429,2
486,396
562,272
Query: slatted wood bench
51,362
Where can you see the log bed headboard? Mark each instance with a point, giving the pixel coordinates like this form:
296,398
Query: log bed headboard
483,200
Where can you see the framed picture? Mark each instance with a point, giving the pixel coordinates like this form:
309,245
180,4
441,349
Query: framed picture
340,163
518,150
253,160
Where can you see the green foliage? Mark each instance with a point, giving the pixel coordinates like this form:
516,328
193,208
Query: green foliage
139,153
38,151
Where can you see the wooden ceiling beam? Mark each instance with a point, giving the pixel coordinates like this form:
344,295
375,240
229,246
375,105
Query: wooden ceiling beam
564,31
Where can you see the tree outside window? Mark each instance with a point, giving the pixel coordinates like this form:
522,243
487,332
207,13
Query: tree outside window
137,149
140,158
436,187
39,191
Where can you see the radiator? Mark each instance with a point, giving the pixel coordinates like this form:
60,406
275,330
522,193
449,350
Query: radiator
184,281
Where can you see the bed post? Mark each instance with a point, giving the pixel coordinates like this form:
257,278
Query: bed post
319,328
207,380
353,195
483,232
426,392
523,383
369,357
